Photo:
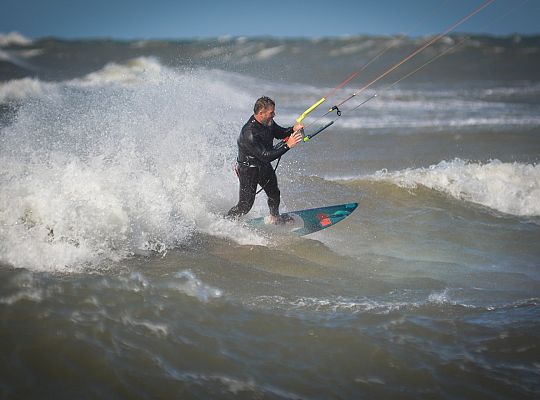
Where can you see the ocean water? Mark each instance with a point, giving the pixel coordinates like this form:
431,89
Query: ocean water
121,279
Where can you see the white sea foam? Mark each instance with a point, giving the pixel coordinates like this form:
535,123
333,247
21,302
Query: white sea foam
19,90
138,74
187,283
512,188
351,48
133,157
347,305
140,70
237,387
269,53
434,124
137,70
436,110
157,329
13,38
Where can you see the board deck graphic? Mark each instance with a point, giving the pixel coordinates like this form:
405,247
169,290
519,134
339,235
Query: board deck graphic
304,222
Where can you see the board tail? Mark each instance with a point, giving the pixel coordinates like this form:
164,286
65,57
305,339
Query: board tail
316,219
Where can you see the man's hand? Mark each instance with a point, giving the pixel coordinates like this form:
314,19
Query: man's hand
294,139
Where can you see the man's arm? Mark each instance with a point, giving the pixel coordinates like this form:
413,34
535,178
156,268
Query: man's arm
258,150
281,133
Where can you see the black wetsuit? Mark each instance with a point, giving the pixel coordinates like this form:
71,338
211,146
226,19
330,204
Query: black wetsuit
256,151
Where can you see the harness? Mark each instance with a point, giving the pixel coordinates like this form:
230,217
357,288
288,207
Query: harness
252,162
248,161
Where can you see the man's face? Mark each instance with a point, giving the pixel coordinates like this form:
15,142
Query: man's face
266,115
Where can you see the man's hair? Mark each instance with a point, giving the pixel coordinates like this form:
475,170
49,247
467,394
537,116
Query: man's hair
263,103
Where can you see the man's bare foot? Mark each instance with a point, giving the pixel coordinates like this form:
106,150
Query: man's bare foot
278,219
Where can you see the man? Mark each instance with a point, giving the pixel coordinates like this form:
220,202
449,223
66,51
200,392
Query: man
256,151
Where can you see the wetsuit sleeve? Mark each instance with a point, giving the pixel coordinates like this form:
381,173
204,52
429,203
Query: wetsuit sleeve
258,150
280,132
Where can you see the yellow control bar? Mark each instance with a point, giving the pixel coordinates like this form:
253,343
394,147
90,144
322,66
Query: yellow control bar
310,109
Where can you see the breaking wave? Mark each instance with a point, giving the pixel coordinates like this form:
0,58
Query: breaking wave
511,188
132,158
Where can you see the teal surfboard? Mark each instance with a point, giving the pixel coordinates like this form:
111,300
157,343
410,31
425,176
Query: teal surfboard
304,222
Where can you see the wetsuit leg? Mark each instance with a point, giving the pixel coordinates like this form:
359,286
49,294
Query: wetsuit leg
268,180
249,177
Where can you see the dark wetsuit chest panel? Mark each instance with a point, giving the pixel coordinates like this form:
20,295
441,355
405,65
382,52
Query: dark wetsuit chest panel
256,141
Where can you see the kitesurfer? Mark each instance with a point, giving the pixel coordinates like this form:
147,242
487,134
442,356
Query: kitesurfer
256,151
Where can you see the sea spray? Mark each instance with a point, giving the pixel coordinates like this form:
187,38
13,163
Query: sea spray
130,158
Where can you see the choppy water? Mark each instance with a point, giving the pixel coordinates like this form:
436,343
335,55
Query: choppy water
119,277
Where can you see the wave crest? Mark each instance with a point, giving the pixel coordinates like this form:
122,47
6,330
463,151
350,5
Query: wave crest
13,38
131,158
511,188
